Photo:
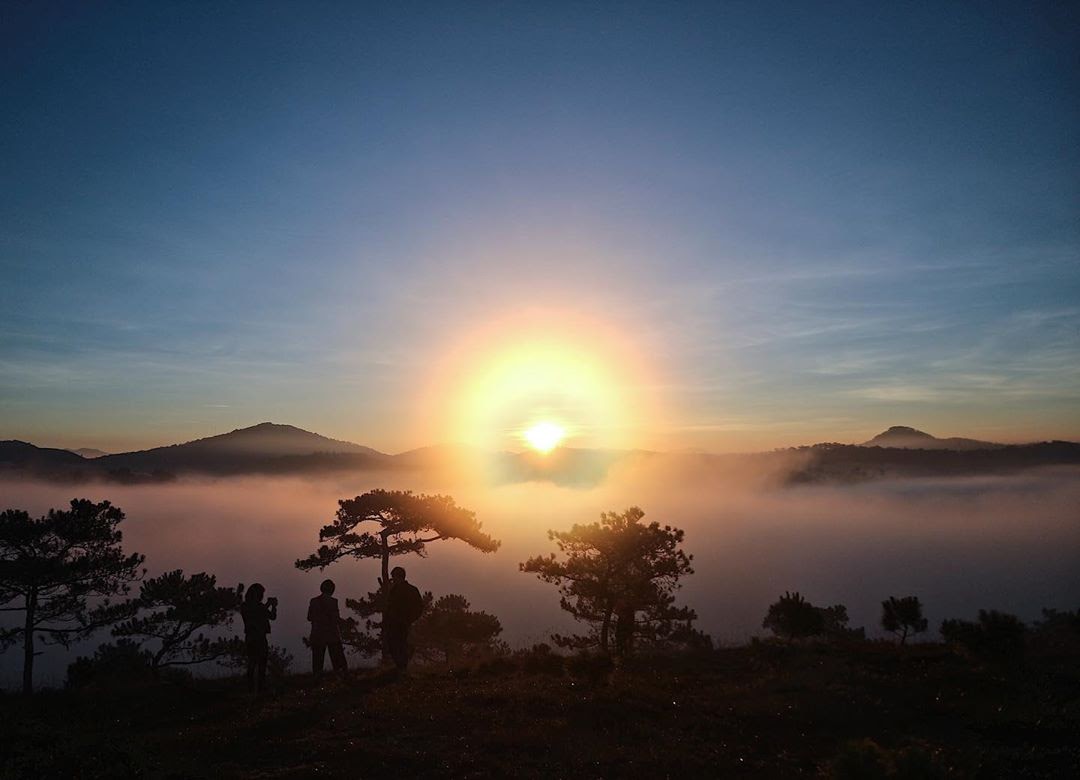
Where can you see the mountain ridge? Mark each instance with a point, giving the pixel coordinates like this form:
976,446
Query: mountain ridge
254,449
277,449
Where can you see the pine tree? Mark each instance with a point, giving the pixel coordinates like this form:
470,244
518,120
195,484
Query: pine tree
175,612
61,571
903,617
619,576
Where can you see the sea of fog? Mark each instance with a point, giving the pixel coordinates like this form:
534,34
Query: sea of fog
1009,543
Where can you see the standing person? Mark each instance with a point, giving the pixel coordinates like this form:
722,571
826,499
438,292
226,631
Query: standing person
325,631
403,606
257,617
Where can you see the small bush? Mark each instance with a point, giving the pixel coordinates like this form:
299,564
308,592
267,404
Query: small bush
995,636
539,659
116,665
1056,633
122,662
793,617
278,660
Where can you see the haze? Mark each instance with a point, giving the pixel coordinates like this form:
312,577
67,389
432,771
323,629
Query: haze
1009,543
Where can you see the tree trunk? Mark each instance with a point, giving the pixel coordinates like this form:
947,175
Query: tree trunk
624,632
28,643
384,589
385,562
605,630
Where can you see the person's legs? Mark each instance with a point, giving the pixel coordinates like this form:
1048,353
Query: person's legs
337,657
397,643
252,663
260,674
318,654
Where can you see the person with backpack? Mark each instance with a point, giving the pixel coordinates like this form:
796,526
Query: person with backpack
404,604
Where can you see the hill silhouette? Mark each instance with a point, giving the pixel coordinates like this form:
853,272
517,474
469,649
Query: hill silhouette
266,447
274,449
40,461
905,438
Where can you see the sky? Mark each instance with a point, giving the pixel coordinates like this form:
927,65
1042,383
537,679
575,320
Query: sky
771,223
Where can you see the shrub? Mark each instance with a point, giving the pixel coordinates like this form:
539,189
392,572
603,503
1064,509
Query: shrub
121,663
793,617
995,636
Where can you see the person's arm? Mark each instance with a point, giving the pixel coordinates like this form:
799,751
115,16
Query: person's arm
310,611
271,611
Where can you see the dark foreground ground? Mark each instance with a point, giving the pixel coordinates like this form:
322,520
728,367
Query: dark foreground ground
762,710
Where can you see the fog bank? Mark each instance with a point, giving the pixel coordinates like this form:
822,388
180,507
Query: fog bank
960,544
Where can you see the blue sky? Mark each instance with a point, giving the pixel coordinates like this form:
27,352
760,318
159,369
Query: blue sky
814,222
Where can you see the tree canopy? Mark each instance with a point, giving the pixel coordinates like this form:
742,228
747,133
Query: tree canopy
793,617
619,575
903,617
401,522
447,630
174,611
997,636
61,571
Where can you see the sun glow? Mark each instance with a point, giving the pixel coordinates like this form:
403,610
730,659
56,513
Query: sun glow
539,382
544,436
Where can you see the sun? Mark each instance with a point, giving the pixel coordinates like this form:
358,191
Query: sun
544,436
536,382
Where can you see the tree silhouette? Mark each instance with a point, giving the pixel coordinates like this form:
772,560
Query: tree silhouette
449,629
834,623
996,636
446,631
403,523
61,571
363,633
619,576
793,617
174,611
1058,622
903,617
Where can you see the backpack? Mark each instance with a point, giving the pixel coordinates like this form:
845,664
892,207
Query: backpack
414,604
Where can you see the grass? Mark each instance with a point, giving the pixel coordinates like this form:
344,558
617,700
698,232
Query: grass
761,710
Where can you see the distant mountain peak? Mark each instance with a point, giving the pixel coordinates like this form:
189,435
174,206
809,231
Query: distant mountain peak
278,439
904,430
265,427
907,438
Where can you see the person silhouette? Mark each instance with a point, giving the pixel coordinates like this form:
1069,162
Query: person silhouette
325,631
403,606
257,616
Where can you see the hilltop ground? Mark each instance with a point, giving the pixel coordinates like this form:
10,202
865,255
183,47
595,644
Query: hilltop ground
766,710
